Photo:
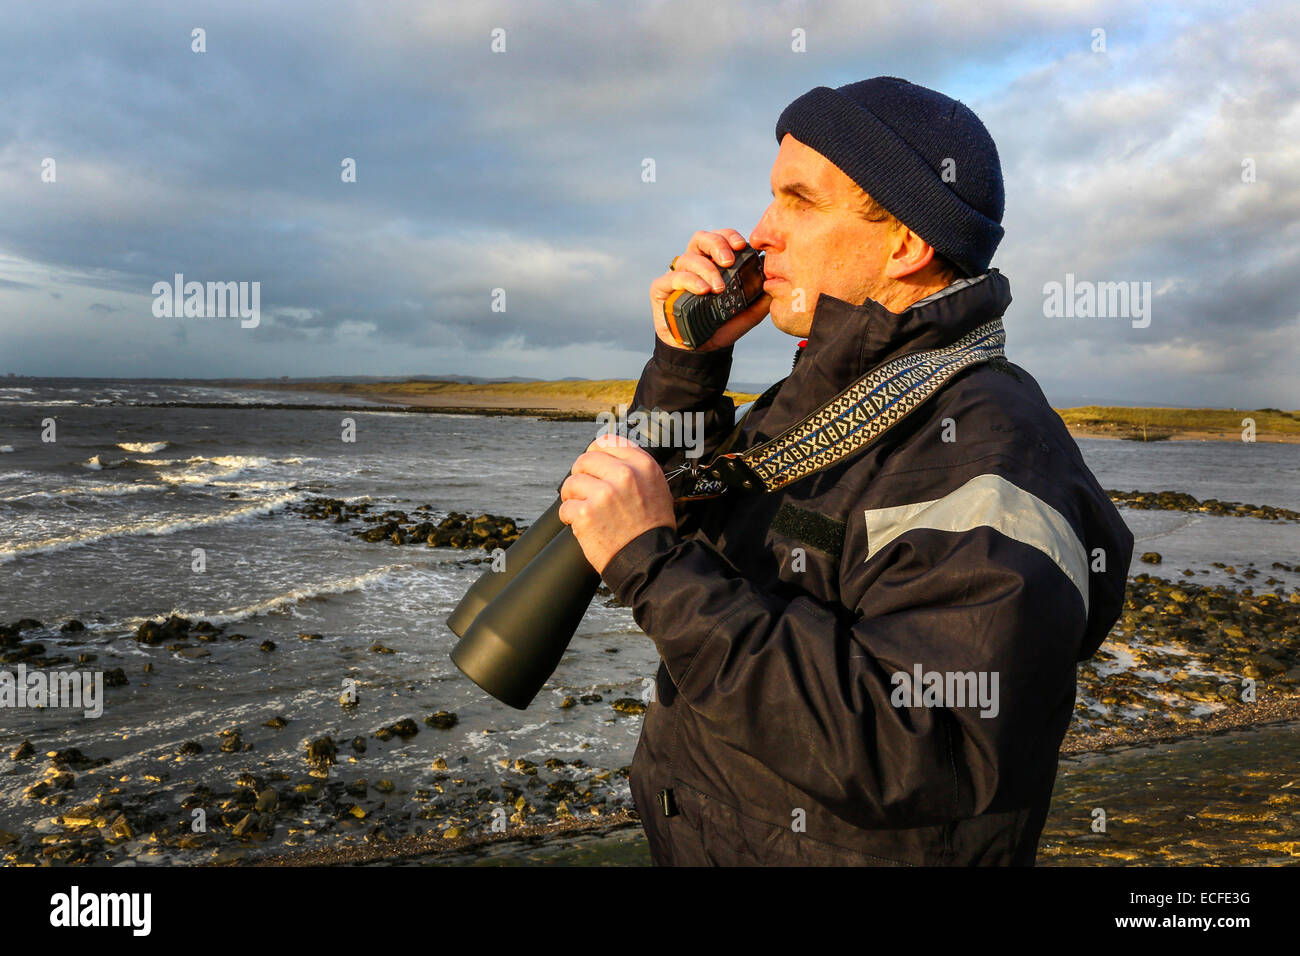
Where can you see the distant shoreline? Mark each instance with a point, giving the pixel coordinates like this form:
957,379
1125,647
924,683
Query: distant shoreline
582,400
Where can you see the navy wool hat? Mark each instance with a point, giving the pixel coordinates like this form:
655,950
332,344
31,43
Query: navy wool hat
899,142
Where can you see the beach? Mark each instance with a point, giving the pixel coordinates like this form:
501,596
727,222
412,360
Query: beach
570,399
267,601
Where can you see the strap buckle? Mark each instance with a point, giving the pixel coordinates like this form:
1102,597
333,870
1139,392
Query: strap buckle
732,470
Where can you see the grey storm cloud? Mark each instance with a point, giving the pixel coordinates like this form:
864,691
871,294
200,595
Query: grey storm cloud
522,171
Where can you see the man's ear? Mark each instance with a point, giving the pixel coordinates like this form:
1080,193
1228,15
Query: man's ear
908,253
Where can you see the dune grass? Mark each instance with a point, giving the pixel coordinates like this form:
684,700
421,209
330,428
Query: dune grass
1172,420
1120,421
602,393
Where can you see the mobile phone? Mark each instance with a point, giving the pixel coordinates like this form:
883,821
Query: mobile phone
692,319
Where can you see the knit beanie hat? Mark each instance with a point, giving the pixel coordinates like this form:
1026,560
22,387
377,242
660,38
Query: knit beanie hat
923,156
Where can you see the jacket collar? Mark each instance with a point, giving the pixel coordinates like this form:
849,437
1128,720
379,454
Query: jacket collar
848,341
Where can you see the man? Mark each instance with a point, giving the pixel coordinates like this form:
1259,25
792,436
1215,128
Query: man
873,663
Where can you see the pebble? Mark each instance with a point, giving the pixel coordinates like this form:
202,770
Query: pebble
442,720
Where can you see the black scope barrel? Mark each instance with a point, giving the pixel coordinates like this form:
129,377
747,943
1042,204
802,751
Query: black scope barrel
513,644
491,583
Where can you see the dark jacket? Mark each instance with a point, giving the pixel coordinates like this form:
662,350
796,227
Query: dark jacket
971,538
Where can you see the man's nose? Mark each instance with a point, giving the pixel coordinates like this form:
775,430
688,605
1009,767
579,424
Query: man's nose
763,237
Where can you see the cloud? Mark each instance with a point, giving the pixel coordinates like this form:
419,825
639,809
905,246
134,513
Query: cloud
522,171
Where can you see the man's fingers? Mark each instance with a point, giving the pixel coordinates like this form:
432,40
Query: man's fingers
697,270
715,245
610,440
736,239
703,267
579,486
607,466
622,447
569,510
736,326
668,283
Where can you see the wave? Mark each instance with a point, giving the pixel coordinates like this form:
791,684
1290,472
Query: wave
216,470
197,469
344,585
254,485
5,449
118,489
141,529
224,461
143,446
99,489
168,474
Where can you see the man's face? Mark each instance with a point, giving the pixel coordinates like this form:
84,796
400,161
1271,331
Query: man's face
815,239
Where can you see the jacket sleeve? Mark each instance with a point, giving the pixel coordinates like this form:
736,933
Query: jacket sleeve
678,380
809,689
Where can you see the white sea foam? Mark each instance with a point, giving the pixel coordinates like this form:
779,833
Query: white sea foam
99,489
224,461
117,489
277,602
219,472
142,446
140,529
252,485
6,448
198,469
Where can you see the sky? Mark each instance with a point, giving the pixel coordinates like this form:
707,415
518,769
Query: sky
1171,157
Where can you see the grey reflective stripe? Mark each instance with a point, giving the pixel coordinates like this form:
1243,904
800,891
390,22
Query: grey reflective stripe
989,501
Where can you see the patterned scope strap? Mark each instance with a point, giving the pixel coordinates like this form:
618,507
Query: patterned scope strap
851,420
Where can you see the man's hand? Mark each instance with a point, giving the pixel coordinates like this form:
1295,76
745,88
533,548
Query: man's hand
697,271
614,493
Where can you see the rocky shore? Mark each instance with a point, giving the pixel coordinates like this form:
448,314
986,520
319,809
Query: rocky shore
338,790
1181,501
486,532
1222,798
1185,659
1183,652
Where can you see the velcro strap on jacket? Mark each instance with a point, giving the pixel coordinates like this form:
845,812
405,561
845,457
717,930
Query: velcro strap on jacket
850,421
